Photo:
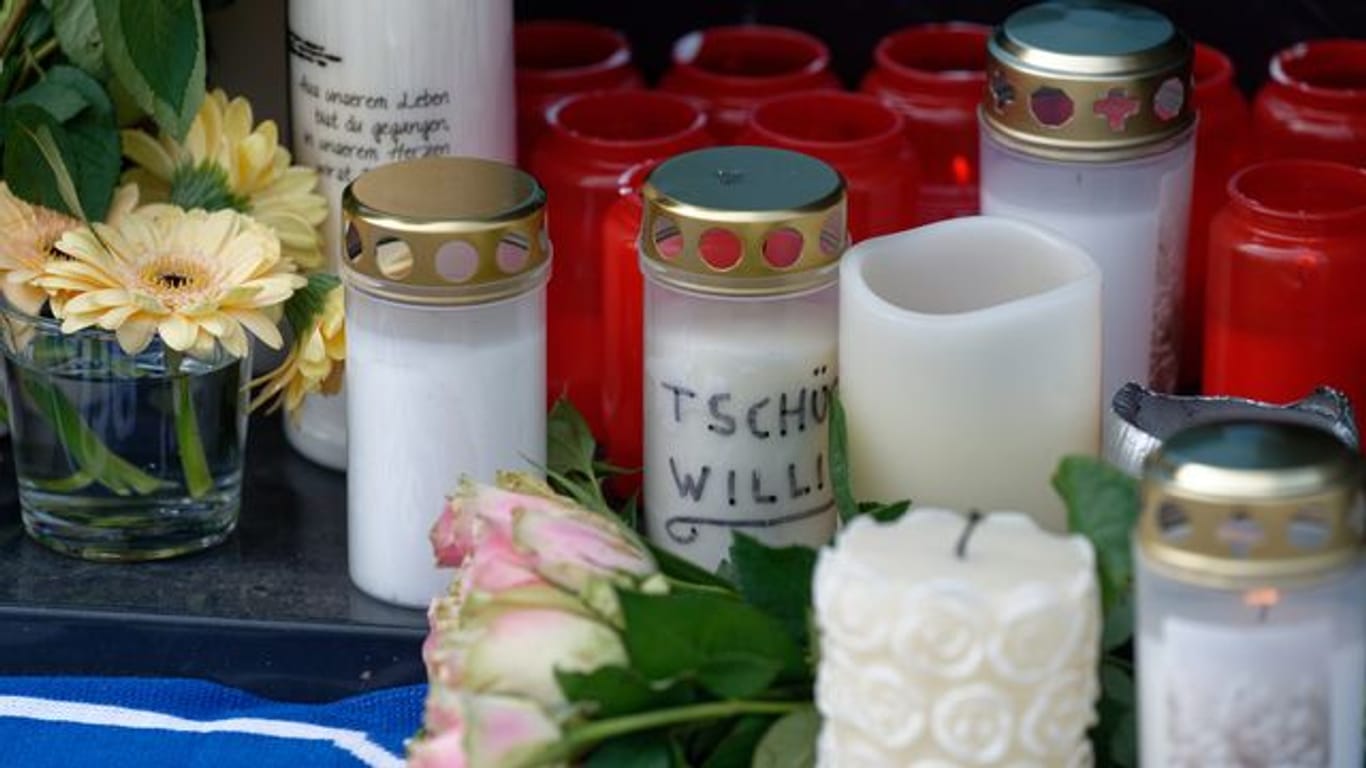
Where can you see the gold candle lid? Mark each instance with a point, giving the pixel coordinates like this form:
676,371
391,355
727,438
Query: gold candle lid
1252,503
1088,80
444,231
743,221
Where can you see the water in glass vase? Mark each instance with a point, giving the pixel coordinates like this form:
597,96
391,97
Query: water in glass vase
124,457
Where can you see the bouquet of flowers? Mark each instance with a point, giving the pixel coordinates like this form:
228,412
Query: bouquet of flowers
148,231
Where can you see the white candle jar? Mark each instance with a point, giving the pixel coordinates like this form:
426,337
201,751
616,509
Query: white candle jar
445,277
374,82
969,364
740,248
1250,581
1087,128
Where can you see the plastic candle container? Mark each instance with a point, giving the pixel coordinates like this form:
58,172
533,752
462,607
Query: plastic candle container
933,75
969,364
730,70
593,139
1251,621
956,640
1099,146
740,250
1222,146
561,58
1286,264
445,340
354,105
861,138
1314,104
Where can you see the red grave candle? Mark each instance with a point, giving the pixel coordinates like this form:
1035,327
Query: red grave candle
1222,146
1287,262
556,59
862,138
933,74
593,139
1314,104
731,69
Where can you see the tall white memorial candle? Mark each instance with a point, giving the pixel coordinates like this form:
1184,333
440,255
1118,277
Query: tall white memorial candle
376,81
445,342
956,640
1087,128
969,364
1252,626
740,254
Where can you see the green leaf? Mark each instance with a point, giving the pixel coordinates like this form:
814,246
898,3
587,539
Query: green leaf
75,112
737,675
1118,623
614,691
570,442
736,750
840,483
790,742
155,48
78,33
204,186
630,514
776,580
681,569
884,513
1102,505
1114,738
193,463
674,636
640,750
305,304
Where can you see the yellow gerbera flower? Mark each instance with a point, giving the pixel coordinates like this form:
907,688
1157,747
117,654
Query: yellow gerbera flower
314,363
225,162
28,233
196,278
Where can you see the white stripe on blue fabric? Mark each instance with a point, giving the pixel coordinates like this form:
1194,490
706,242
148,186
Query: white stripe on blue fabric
52,710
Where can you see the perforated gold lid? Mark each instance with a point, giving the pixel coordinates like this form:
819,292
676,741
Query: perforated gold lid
743,221
1088,80
1252,503
444,230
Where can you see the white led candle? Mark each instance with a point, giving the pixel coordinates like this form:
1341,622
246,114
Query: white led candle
1087,129
374,82
740,253
445,309
969,364
952,640
1252,627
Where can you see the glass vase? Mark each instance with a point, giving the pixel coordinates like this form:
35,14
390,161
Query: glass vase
122,456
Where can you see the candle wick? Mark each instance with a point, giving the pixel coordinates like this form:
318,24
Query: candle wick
974,517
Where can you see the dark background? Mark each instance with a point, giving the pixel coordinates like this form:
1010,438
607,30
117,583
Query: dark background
247,37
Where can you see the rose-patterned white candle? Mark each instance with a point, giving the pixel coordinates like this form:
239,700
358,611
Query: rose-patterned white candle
952,640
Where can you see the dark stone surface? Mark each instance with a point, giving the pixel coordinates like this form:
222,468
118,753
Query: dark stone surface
270,610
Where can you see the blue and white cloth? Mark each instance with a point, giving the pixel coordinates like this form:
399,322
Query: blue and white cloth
118,722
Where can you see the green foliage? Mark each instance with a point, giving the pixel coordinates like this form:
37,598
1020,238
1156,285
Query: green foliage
78,33
790,742
305,304
616,691
1102,505
638,750
777,581
156,50
204,186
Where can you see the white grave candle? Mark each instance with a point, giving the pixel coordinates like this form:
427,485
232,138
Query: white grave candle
1252,627
952,641
374,82
969,364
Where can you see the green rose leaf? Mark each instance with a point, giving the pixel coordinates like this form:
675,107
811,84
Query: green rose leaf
615,691
78,33
675,636
642,750
790,742
570,443
686,571
1115,738
155,48
737,675
736,748
76,113
776,580
1102,505
840,483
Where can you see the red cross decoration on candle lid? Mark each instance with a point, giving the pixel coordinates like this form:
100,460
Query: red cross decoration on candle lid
1116,108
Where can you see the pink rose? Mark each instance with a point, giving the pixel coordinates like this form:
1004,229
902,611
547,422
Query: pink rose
491,732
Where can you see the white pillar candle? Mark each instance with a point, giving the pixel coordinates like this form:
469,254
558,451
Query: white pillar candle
969,364
1252,627
374,82
942,646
